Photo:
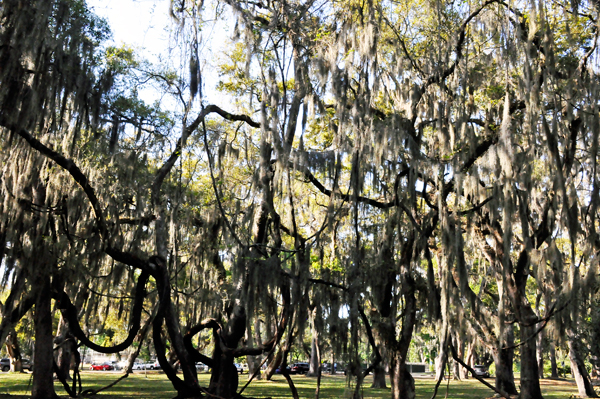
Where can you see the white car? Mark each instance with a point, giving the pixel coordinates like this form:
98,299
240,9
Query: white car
138,366
153,366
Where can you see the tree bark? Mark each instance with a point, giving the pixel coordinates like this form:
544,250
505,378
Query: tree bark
14,351
379,376
468,359
66,345
530,381
274,364
458,370
440,358
582,378
313,364
553,365
256,339
403,383
540,353
43,383
503,360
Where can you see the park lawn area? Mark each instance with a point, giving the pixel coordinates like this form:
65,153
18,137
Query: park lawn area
156,385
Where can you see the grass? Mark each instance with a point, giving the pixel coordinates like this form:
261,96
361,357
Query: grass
154,385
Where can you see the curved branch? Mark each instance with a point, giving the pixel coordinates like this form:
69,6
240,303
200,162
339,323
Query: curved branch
69,312
266,346
68,165
187,341
179,385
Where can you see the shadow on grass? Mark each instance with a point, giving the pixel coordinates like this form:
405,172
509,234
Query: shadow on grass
156,386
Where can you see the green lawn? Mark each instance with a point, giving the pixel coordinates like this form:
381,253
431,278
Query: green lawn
155,385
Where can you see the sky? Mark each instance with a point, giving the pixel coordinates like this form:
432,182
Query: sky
145,26
142,24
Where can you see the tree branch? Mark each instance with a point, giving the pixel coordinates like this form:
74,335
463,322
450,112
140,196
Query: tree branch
69,312
187,131
484,382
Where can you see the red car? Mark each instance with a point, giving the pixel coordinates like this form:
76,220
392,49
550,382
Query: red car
101,367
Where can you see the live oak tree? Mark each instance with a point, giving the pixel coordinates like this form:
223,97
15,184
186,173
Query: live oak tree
374,153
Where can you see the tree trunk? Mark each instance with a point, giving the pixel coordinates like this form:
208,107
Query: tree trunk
440,359
468,360
586,390
379,376
403,384
254,361
14,351
530,382
540,353
313,365
43,382
553,364
275,363
505,379
333,366
66,347
503,360
224,379
458,370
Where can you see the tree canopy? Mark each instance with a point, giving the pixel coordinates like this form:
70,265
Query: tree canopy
377,177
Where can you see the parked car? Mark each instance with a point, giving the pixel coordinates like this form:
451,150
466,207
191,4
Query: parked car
5,364
481,371
102,366
26,364
116,365
299,368
279,370
138,366
155,365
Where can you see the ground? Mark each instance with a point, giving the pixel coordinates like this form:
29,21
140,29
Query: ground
154,385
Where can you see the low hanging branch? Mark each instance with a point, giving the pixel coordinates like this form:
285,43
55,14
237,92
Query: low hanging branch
69,312
474,374
94,392
72,391
63,380
187,341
